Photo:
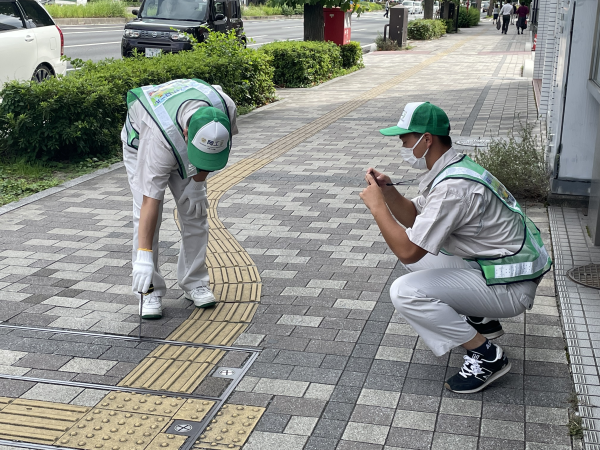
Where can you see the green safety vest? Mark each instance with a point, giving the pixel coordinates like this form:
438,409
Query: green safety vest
162,102
531,261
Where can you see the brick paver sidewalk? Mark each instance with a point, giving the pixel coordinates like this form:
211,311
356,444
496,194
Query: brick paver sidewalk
337,368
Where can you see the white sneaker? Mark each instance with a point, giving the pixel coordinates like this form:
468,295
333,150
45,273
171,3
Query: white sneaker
202,297
152,306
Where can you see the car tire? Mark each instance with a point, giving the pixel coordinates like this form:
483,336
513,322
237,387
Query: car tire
41,73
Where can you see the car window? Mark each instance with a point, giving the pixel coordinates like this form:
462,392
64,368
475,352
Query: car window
175,9
36,13
10,17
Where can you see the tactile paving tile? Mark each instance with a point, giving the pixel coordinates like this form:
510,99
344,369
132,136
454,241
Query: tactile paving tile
168,441
141,403
231,427
174,375
213,333
114,430
242,292
194,410
226,312
37,421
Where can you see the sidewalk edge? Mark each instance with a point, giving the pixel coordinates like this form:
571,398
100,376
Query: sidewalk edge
66,185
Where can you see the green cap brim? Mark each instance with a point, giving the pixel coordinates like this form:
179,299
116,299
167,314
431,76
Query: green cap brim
394,131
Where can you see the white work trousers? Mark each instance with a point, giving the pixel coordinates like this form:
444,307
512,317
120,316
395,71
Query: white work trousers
440,288
191,264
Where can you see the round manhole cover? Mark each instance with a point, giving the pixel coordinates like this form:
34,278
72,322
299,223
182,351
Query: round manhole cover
587,275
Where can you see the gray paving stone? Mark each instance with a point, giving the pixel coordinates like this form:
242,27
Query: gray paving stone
260,440
52,393
296,406
274,423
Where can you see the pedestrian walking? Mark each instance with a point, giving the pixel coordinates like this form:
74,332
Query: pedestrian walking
174,135
522,13
496,11
472,254
387,9
513,14
506,12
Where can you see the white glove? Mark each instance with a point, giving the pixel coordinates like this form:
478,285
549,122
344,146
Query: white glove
143,269
195,193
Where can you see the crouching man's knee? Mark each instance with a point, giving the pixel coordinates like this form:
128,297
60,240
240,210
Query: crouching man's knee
405,296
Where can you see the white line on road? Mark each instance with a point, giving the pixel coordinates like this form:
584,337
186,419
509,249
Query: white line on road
256,37
97,43
300,26
102,31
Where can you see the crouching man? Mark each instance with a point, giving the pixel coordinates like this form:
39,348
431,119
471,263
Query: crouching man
472,254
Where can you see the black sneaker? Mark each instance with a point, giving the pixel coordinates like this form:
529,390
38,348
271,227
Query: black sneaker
476,372
490,328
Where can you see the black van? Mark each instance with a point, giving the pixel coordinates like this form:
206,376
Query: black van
160,24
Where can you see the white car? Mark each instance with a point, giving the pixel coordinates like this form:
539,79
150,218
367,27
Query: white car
414,7
30,42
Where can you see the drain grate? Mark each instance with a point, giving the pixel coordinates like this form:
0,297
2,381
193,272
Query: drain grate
586,275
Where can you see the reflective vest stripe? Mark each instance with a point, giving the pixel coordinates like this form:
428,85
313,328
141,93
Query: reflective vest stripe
132,134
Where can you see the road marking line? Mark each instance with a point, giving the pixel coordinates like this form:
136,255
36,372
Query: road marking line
96,31
97,43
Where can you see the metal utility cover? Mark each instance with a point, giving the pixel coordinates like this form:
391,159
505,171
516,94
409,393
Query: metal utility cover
184,427
586,275
226,372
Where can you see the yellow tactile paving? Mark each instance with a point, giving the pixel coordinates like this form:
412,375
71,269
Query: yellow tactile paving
214,333
226,312
36,421
114,430
141,403
166,441
173,375
231,427
194,410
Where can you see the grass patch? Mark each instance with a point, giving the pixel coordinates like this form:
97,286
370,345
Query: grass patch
94,9
519,164
575,425
19,178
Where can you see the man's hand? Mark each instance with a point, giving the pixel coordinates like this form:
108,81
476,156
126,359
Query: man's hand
195,194
143,269
372,195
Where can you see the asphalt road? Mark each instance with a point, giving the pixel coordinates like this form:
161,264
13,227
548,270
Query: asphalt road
97,42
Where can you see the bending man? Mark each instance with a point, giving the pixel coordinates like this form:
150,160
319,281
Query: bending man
469,247
174,135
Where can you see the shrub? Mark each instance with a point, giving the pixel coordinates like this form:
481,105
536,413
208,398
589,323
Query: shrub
449,25
425,29
352,55
474,17
81,115
463,18
95,9
519,164
302,64
261,10
387,45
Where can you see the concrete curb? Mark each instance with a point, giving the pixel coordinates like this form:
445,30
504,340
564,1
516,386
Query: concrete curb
369,48
66,185
92,21
295,16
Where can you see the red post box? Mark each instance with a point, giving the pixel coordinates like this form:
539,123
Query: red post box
337,25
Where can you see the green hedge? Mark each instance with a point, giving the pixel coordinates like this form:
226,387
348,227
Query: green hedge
424,29
81,115
352,55
468,18
303,64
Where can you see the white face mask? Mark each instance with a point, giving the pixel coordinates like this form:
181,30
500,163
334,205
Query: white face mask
410,158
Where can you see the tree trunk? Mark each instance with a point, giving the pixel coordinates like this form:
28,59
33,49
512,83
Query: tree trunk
428,9
314,22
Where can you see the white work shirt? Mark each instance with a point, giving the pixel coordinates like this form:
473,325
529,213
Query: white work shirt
463,217
155,159
507,9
